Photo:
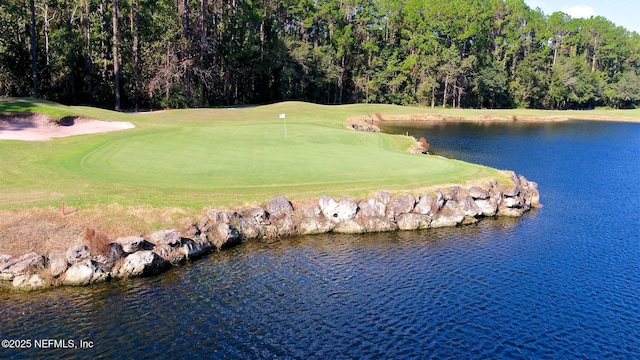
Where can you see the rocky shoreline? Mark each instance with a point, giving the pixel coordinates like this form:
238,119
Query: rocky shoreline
97,259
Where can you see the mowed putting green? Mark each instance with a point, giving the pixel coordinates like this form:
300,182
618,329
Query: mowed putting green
221,157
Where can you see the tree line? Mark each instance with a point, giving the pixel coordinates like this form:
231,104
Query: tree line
135,54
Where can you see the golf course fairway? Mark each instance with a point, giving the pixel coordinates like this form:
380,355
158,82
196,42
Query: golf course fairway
199,158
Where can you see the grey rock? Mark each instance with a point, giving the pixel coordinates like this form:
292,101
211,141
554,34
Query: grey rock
194,248
279,205
251,228
315,225
6,261
371,208
384,196
427,205
349,226
107,261
25,263
29,282
377,224
255,214
489,207
449,215
413,221
165,237
510,212
84,273
469,207
131,244
532,197
172,255
220,216
440,200
512,202
57,264
452,193
338,211
225,235
511,190
77,253
399,205
141,263
477,192
281,224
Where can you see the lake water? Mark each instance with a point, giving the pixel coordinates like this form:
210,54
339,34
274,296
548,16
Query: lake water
562,282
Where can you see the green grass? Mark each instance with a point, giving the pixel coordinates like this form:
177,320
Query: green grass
216,157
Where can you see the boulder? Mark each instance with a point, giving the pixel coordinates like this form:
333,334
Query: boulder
279,205
84,273
449,215
532,196
440,199
165,237
225,235
451,193
512,202
384,196
312,222
255,214
349,226
25,263
377,224
511,190
489,207
141,263
107,261
427,205
194,248
6,261
477,192
173,256
413,221
338,211
77,253
371,208
29,282
220,216
495,194
250,228
469,207
282,224
57,264
510,212
131,244
399,205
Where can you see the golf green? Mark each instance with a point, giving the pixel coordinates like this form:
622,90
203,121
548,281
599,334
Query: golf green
197,158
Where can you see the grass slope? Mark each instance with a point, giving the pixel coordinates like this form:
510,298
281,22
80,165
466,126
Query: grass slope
216,157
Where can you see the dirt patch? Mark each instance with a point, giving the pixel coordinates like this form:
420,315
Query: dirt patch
42,230
39,127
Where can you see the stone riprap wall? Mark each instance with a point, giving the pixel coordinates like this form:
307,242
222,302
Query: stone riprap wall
137,256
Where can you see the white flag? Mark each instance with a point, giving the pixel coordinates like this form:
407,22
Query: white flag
282,116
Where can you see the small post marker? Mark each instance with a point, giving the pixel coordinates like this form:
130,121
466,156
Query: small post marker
63,208
284,118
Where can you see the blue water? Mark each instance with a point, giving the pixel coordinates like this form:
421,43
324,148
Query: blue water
562,282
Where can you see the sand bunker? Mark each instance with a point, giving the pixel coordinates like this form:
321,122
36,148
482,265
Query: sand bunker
40,127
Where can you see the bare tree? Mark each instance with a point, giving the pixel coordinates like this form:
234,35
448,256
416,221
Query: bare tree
34,53
116,54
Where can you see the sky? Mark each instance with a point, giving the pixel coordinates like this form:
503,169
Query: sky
621,12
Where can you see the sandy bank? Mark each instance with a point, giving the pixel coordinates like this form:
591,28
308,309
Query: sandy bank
39,127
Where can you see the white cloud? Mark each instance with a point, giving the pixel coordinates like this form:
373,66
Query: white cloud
579,11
